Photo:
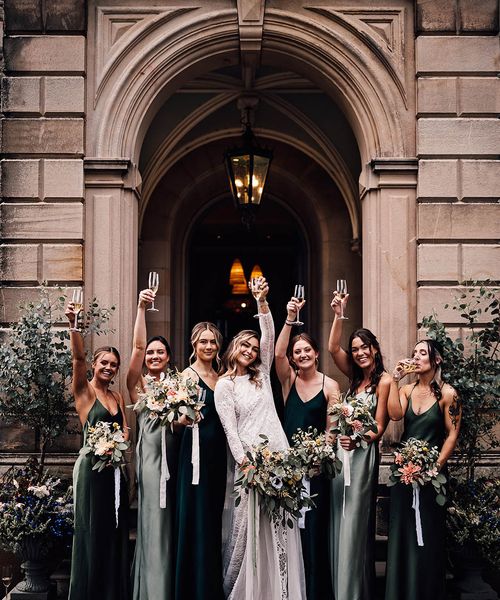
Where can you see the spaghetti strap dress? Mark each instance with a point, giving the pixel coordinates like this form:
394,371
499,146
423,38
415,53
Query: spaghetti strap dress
314,537
352,524
99,564
417,572
198,571
153,562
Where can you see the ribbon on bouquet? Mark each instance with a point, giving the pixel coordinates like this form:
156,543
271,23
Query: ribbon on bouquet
306,484
117,492
347,474
195,448
418,521
164,472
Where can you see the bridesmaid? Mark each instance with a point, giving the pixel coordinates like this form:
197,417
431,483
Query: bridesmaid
352,537
99,565
307,392
198,573
153,563
431,412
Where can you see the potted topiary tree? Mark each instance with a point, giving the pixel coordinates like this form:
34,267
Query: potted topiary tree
35,372
472,367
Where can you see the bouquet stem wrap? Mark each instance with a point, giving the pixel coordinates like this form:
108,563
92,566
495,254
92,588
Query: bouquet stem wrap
195,455
117,493
254,521
347,475
418,521
302,519
164,472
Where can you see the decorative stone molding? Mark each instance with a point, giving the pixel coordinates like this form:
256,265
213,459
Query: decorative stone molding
111,173
250,28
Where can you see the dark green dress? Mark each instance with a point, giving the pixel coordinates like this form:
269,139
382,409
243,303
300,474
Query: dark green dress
301,415
99,566
198,573
417,572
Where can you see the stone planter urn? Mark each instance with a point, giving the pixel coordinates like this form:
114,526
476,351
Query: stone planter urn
33,553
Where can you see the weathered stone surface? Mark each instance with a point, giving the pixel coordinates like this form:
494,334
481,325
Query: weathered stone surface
433,299
457,54
19,262
15,438
438,179
62,262
478,16
480,179
458,95
46,54
458,221
64,15
43,136
463,136
62,179
481,262
42,221
438,15
21,94
23,15
19,178
64,94
438,262
13,297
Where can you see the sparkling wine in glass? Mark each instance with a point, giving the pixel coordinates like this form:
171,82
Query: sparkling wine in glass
342,292
6,579
153,284
299,293
254,285
77,305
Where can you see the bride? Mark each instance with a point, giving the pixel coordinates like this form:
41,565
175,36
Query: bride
268,563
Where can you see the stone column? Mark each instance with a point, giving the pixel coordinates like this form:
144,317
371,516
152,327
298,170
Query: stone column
111,244
389,258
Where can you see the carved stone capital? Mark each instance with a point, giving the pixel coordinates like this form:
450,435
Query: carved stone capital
111,173
389,173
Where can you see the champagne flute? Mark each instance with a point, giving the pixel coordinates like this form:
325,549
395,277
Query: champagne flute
153,284
6,579
77,305
342,292
254,285
300,295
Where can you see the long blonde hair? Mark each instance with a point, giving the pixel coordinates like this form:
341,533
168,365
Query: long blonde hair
196,332
229,366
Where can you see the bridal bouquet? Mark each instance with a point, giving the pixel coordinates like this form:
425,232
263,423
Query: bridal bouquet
277,478
107,443
315,453
352,417
169,397
415,464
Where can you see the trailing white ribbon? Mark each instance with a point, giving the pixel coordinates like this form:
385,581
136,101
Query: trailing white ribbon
347,474
418,522
164,472
254,526
117,492
195,455
306,483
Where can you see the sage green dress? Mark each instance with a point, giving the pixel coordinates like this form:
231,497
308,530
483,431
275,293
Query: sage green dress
352,528
198,573
417,572
99,564
314,537
153,563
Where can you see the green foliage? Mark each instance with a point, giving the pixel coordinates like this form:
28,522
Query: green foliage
35,367
472,367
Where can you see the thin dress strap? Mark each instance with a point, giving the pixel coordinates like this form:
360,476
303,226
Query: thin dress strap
323,384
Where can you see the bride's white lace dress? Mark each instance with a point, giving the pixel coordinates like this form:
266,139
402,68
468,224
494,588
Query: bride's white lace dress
272,569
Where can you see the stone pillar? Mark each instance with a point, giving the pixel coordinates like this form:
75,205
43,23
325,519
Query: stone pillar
111,210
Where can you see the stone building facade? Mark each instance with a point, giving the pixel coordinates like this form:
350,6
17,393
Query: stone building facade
383,117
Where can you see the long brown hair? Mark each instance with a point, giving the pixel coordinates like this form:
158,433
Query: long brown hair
297,338
229,366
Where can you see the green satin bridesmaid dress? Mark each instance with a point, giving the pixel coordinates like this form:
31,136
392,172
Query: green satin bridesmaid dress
417,572
153,563
198,573
352,527
301,415
99,564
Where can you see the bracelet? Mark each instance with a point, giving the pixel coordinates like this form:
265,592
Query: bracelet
74,329
289,323
263,302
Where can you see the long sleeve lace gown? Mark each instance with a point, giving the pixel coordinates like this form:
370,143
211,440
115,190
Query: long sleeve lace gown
267,564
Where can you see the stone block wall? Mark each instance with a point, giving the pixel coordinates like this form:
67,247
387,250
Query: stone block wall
42,137
458,145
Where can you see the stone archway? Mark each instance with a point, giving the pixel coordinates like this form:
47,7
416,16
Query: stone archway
341,51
